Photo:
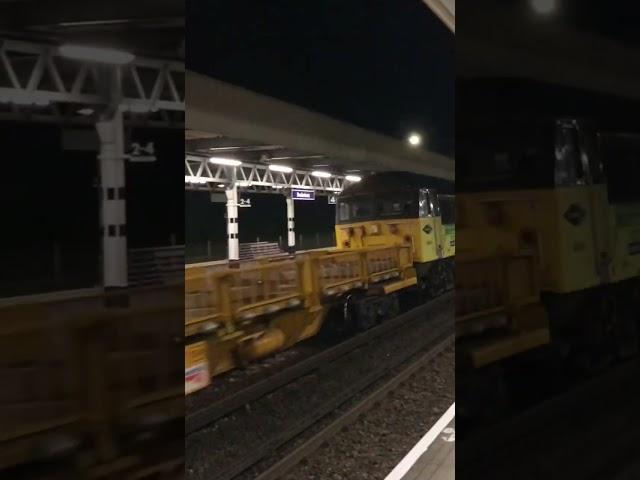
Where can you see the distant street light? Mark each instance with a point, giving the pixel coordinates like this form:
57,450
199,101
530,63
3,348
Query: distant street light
544,7
414,140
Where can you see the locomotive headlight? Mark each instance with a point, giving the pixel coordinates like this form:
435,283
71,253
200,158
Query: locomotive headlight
374,229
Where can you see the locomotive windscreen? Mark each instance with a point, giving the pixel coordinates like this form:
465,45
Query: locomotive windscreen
621,158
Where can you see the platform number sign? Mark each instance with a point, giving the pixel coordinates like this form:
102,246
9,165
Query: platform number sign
142,153
196,367
333,199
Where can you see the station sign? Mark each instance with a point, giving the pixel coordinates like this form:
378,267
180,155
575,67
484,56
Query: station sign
141,153
333,199
298,194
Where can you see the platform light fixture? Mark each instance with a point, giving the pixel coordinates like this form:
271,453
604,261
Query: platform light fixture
196,180
414,139
352,178
321,174
96,54
230,162
280,168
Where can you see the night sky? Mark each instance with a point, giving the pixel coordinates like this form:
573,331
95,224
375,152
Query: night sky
385,65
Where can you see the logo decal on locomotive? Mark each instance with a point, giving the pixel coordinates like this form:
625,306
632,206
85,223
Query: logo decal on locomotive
575,214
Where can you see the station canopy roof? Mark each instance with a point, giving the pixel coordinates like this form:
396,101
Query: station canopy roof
38,84
589,46
233,123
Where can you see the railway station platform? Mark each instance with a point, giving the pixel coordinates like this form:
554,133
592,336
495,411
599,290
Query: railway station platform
433,457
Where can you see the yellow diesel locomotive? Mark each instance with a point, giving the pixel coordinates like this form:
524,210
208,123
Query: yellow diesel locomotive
394,237
549,244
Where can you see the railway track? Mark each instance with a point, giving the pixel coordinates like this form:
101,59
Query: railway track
209,414
324,436
441,328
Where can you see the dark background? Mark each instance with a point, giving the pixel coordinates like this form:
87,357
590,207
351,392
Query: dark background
384,65
50,201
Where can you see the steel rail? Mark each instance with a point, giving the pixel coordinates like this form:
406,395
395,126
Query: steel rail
443,328
305,450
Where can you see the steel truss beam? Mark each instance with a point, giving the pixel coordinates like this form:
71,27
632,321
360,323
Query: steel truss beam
38,84
200,174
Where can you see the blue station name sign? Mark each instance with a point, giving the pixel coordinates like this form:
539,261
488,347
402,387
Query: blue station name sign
299,194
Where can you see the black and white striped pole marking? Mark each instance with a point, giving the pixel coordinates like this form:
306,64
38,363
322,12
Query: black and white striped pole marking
232,222
113,204
291,232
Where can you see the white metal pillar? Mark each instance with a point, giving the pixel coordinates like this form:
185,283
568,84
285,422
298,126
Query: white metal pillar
113,206
232,223
291,231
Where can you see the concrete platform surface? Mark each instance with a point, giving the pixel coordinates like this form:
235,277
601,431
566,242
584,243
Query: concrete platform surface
433,457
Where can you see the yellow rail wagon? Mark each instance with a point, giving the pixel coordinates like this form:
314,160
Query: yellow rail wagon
87,385
405,242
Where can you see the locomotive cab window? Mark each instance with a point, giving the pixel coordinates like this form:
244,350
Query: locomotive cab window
355,209
343,211
447,209
429,205
569,165
402,204
621,157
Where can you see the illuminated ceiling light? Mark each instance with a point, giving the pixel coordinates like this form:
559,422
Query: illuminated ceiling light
244,184
221,185
85,111
196,180
544,7
280,168
95,54
414,139
353,178
225,161
320,174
